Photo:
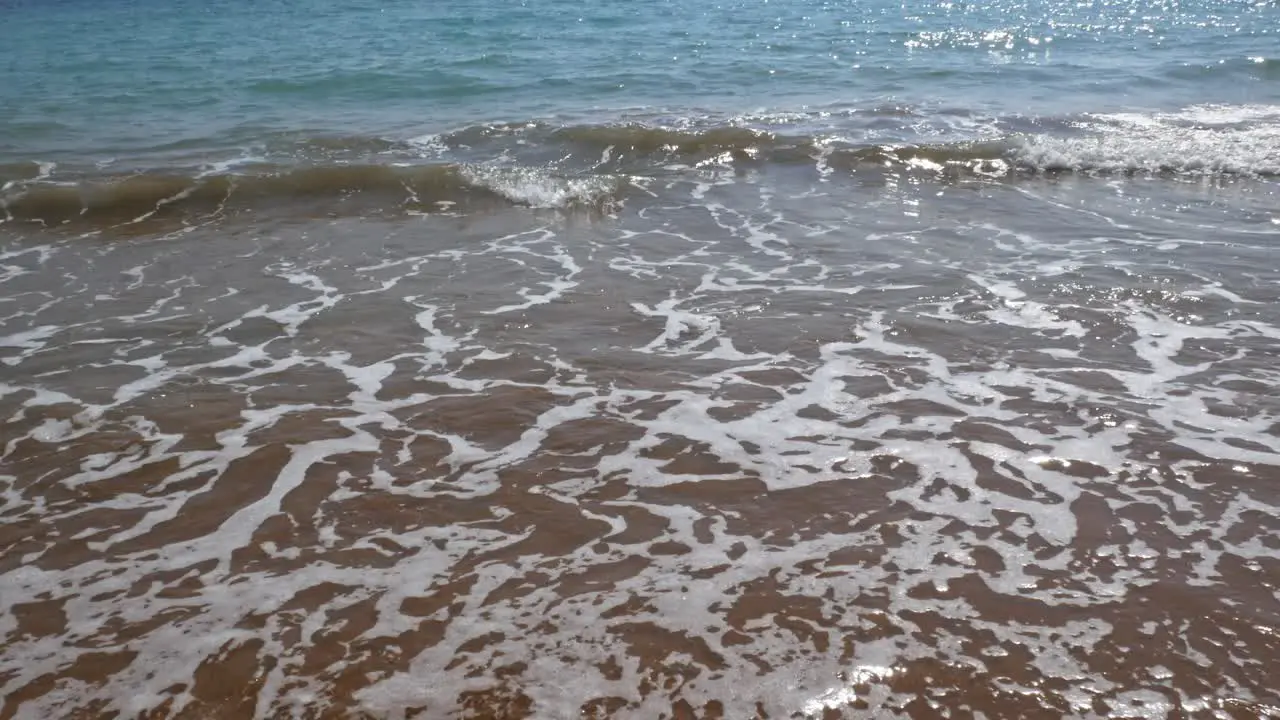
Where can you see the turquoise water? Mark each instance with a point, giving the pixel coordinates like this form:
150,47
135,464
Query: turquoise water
146,82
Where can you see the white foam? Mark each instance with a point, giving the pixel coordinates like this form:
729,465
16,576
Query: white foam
683,331
926,502
1241,140
28,341
556,286
43,171
841,697
1018,311
223,167
429,146
540,189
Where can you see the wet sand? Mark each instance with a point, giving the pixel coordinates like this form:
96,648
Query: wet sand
769,445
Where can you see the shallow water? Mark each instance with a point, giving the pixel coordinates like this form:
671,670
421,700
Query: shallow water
883,408
758,443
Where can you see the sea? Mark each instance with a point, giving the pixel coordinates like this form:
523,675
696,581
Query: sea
496,359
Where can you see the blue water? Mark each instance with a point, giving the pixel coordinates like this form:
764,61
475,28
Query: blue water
127,80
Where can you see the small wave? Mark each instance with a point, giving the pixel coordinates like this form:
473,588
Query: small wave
332,144
1189,153
1224,117
639,138
539,165
1200,140
1210,139
332,189
12,174
1213,140
320,84
1241,68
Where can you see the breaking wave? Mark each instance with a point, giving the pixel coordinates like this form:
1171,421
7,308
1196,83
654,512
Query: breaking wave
1201,140
1205,140
539,165
336,189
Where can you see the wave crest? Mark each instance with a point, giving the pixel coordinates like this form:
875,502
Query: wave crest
591,166
326,189
1202,140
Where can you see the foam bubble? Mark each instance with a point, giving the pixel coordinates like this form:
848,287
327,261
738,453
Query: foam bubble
1242,140
540,189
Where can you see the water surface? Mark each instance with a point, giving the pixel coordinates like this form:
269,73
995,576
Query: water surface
636,360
